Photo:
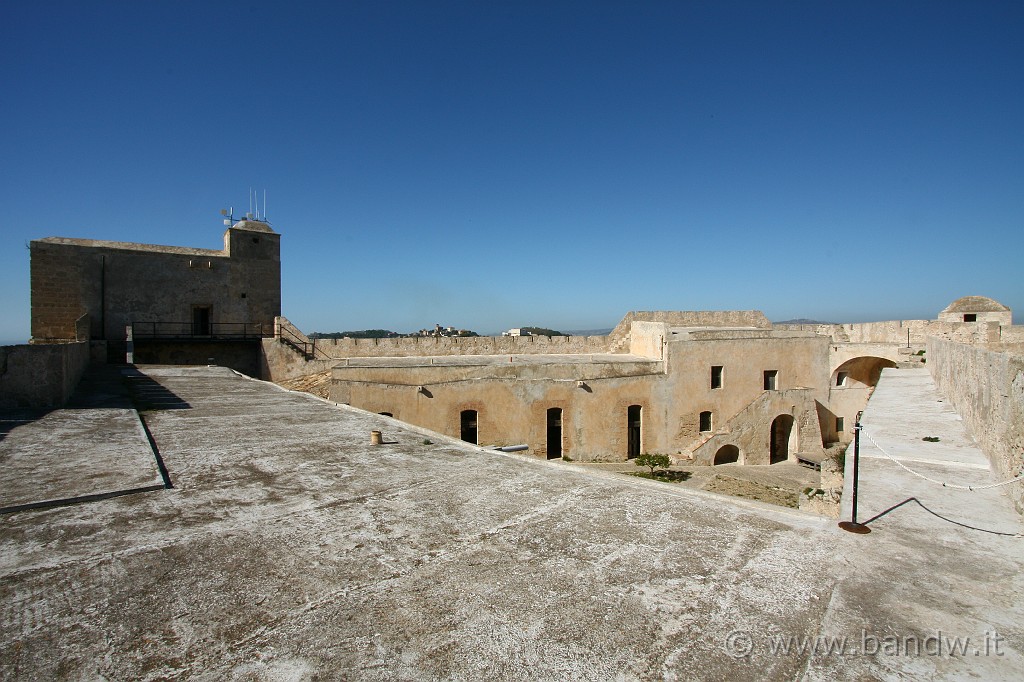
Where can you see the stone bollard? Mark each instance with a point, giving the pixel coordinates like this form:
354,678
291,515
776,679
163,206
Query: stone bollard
376,438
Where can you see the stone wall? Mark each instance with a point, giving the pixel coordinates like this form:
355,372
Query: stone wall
512,401
512,394
647,339
618,339
424,346
986,387
41,375
901,332
241,355
750,429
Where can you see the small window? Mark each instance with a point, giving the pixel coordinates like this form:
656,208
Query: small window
841,378
705,421
970,317
771,379
716,376
840,425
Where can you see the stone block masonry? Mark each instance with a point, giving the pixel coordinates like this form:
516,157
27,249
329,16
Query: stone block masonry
120,283
40,376
990,401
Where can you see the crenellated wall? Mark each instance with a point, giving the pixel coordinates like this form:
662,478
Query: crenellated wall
425,346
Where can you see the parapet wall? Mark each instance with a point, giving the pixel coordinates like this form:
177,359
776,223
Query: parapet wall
904,332
618,339
41,375
986,386
467,345
279,361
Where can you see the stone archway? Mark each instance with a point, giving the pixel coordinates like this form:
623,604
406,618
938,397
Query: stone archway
727,454
782,439
859,372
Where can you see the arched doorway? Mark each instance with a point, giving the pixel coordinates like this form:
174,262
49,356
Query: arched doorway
860,372
781,439
727,454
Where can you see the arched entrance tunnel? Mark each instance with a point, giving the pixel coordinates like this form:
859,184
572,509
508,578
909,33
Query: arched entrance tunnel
727,454
782,439
862,372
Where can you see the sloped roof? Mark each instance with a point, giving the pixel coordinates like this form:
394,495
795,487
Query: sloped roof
253,226
975,304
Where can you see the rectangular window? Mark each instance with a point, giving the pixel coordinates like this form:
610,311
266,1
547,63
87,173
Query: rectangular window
705,421
771,379
716,376
970,317
840,425
841,378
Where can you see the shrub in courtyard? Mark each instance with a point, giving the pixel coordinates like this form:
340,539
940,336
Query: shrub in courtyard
654,462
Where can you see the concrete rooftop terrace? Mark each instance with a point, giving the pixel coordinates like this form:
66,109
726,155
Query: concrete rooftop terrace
289,548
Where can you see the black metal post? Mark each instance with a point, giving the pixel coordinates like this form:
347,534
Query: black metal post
852,525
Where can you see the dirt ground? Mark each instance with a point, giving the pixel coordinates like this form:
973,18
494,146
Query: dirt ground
318,384
775,484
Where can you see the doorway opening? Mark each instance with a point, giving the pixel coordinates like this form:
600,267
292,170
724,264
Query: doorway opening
468,426
781,440
727,454
554,432
634,424
201,320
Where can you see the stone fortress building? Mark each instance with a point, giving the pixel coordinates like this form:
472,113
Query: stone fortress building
707,387
177,304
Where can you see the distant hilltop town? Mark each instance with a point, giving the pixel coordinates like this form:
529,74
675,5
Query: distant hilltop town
437,331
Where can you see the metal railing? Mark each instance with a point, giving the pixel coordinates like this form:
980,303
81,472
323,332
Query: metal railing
307,348
210,330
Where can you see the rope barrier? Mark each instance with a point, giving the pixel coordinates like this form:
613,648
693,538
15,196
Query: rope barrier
944,484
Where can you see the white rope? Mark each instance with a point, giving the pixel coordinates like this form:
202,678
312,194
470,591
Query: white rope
937,482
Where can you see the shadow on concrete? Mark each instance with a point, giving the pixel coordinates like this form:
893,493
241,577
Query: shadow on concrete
12,419
81,499
937,515
149,394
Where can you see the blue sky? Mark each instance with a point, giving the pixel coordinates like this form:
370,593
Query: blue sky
498,164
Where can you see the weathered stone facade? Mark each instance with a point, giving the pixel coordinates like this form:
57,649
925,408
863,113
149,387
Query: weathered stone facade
990,401
658,397
709,387
117,284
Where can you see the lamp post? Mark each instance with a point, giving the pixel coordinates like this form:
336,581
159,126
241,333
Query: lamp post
852,525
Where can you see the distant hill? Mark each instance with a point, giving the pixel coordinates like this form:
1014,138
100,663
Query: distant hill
360,334
802,320
540,331
590,332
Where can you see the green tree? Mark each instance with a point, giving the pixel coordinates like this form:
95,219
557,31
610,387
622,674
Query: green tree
654,462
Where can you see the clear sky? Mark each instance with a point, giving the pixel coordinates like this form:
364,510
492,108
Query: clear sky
500,164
